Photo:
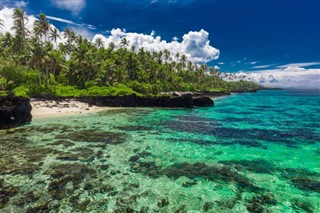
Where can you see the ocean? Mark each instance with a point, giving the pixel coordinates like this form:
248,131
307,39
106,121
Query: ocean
251,152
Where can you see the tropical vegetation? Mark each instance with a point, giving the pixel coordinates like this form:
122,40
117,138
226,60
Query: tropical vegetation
33,63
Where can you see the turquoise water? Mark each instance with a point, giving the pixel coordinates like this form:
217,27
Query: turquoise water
253,152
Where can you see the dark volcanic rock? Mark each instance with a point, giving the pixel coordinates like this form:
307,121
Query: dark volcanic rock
14,111
136,101
184,101
203,101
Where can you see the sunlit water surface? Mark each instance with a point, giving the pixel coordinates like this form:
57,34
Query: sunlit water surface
253,152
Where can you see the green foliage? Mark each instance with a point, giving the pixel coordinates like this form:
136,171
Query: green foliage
67,91
22,91
144,88
118,90
72,91
30,66
15,76
3,93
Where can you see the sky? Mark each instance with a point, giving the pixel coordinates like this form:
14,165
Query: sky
276,42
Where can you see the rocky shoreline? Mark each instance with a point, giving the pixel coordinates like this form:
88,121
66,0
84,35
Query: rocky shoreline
15,111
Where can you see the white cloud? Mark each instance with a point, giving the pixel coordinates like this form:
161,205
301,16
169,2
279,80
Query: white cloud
308,64
89,26
75,6
195,45
287,77
61,20
6,14
252,62
263,66
21,4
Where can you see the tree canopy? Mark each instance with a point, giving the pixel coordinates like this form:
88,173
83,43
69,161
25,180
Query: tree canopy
32,63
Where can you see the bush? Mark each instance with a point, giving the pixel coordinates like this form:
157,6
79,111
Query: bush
22,91
3,93
144,88
68,91
118,90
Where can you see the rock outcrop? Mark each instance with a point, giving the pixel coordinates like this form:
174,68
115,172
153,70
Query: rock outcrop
202,101
184,101
14,111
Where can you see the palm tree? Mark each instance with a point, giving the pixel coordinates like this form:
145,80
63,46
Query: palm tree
19,25
1,23
7,40
183,60
69,35
112,46
166,55
54,35
99,42
44,25
124,42
56,60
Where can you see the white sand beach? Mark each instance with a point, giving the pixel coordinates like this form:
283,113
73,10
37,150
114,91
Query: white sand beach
48,108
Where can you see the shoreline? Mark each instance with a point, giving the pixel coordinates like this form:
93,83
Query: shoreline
67,107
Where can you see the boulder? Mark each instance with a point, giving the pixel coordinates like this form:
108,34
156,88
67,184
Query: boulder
203,101
14,111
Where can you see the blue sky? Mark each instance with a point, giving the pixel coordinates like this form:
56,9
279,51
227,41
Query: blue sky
250,34
245,31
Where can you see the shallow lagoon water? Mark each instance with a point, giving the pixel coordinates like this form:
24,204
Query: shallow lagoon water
253,152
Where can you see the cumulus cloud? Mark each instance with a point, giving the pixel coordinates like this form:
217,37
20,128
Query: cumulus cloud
195,45
292,76
75,6
6,14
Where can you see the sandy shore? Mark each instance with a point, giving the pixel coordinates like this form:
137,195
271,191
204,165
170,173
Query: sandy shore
42,109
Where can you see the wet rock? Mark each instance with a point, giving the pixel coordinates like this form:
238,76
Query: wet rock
306,184
213,173
230,203
257,203
6,192
42,207
124,210
19,158
242,136
95,137
257,166
189,183
203,101
64,143
77,204
84,153
144,209
134,128
181,209
207,206
185,101
67,156
149,168
99,154
303,205
163,202
104,167
139,155
67,173
14,111
29,197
